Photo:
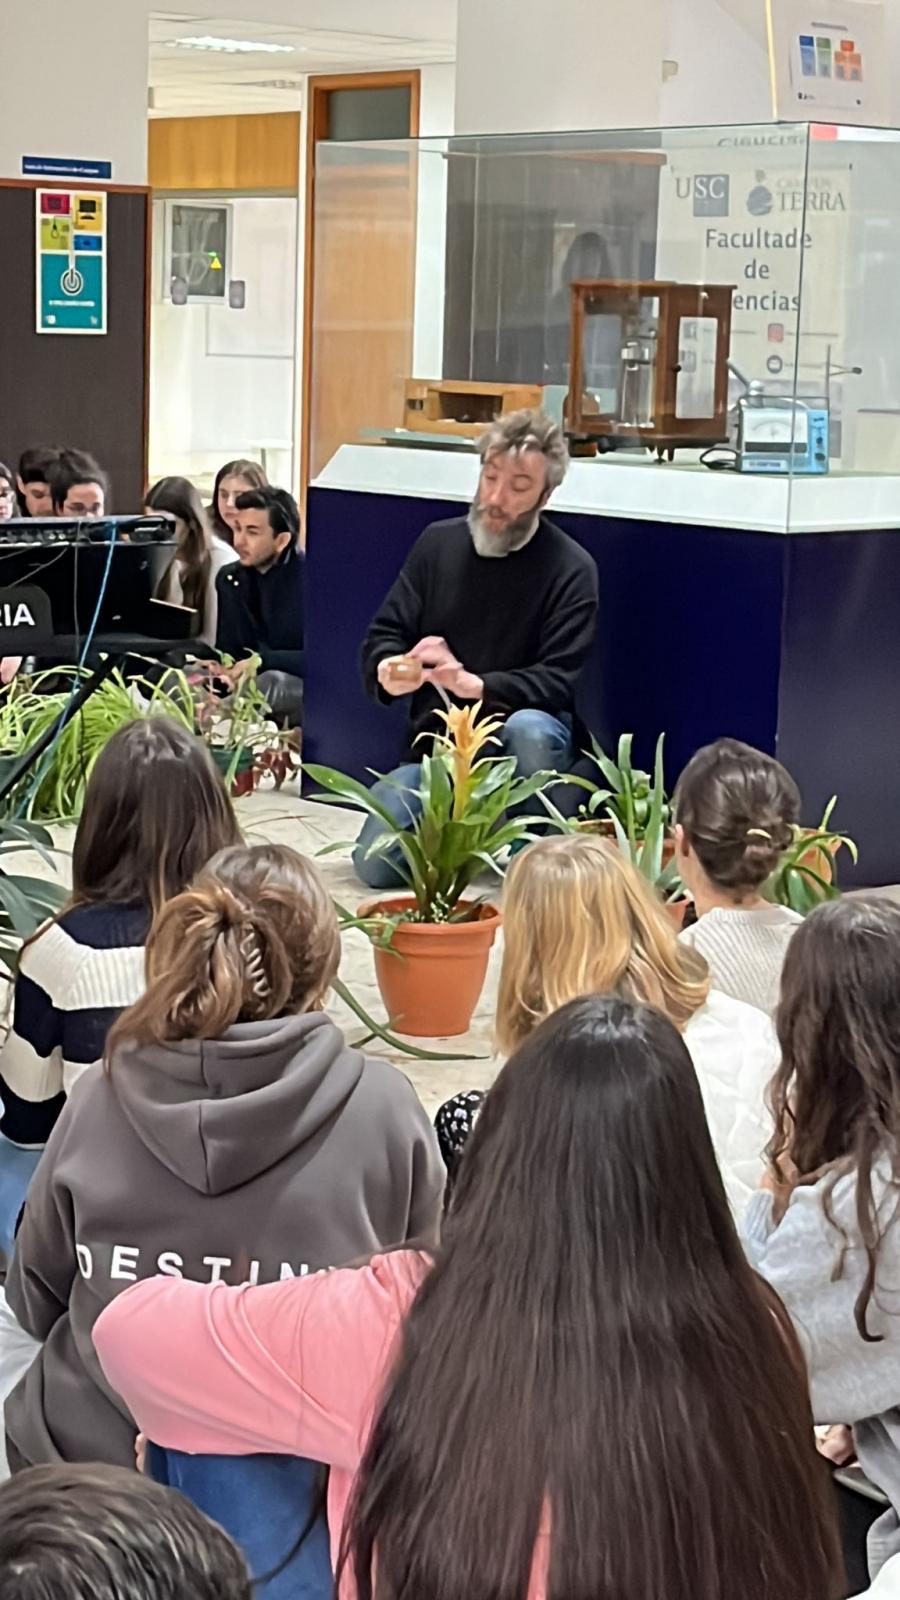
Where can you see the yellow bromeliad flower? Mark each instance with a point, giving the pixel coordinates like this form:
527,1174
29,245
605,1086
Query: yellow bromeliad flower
464,742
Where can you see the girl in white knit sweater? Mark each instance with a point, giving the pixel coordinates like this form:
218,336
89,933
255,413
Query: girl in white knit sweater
735,809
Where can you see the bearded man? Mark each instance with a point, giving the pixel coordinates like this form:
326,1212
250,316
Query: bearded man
499,606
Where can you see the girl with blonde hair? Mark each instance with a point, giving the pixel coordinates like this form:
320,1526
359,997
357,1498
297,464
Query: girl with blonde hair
580,919
232,1135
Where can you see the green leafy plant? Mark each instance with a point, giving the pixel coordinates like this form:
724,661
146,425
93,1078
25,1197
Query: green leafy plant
25,902
238,725
631,807
636,799
806,874
54,789
464,826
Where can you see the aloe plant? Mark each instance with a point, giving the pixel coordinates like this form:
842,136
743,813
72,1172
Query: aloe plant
636,808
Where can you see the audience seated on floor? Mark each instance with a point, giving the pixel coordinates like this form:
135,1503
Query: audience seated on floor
261,599
78,486
593,1393
580,919
499,607
231,1134
155,810
104,1533
735,811
190,578
825,1228
33,480
233,479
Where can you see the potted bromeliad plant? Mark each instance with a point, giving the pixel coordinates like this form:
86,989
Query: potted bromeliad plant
441,933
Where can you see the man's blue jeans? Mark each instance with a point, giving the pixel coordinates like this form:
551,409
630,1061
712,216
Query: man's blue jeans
539,743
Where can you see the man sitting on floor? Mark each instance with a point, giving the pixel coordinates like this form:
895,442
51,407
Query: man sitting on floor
261,598
499,606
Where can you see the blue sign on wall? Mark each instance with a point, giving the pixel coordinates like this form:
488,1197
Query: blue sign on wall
72,294
65,167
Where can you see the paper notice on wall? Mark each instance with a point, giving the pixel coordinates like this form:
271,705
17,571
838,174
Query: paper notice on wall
828,62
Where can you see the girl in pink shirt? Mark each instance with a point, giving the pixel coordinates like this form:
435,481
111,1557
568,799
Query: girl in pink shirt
584,1393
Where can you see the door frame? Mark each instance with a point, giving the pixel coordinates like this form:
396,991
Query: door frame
316,128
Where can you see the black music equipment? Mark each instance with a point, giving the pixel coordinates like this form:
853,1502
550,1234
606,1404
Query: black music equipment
69,560
65,595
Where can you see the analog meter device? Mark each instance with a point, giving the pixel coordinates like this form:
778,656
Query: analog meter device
782,437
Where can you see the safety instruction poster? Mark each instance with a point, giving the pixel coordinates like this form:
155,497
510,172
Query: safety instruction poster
70,255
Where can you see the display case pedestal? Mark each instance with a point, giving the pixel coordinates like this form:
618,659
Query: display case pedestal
789,641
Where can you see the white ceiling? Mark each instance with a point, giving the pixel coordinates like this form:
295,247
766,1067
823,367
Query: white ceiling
326,35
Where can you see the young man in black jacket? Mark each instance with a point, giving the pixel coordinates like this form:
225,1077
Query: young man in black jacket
261,598
499,606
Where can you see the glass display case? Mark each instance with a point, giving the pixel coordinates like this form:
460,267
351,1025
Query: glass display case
725,291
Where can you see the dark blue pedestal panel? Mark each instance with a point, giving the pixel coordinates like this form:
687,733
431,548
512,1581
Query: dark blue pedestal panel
792,643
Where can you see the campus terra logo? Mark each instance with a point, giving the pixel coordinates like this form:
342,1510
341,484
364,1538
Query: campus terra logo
760,200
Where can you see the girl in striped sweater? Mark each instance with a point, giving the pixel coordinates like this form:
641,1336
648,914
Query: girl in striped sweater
154,813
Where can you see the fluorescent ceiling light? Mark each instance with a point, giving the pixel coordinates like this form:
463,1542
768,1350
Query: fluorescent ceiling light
232,47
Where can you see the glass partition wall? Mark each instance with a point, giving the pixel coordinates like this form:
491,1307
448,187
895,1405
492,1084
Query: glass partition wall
732,284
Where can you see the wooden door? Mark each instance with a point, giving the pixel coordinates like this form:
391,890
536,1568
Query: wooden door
360,260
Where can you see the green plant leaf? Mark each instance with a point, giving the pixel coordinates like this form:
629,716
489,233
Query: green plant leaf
378,1031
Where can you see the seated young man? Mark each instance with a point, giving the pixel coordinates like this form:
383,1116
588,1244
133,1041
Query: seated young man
78,487
33,480
499,606
261,598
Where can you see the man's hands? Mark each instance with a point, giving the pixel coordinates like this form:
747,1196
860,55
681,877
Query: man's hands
439,666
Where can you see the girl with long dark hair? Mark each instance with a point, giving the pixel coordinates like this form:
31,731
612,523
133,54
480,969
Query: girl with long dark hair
826,1229
155,811
190,578
585,1391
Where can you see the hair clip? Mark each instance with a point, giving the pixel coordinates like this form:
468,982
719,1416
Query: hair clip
759,833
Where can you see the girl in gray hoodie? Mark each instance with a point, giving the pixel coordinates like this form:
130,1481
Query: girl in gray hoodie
825,1229
232,1133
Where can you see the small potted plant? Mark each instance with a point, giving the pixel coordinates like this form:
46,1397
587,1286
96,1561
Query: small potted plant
442,936
806,874
632,809
243,739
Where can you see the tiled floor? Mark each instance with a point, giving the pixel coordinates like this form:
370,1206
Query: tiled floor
308,827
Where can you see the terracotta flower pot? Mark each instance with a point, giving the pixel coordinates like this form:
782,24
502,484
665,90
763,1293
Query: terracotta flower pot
431,986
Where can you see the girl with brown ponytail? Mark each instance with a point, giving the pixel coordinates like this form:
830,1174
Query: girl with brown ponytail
232,1134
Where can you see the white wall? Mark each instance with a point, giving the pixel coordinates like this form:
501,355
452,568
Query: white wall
75,84
723,65
526,65
221,380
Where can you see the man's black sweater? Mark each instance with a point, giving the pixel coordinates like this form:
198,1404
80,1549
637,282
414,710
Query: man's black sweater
524,623
262,613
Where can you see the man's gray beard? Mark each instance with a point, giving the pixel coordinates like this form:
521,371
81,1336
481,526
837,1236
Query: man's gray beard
512,538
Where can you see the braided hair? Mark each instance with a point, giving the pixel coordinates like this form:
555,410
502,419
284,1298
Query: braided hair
254,937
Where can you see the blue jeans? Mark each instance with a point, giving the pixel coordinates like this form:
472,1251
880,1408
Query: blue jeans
539,743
